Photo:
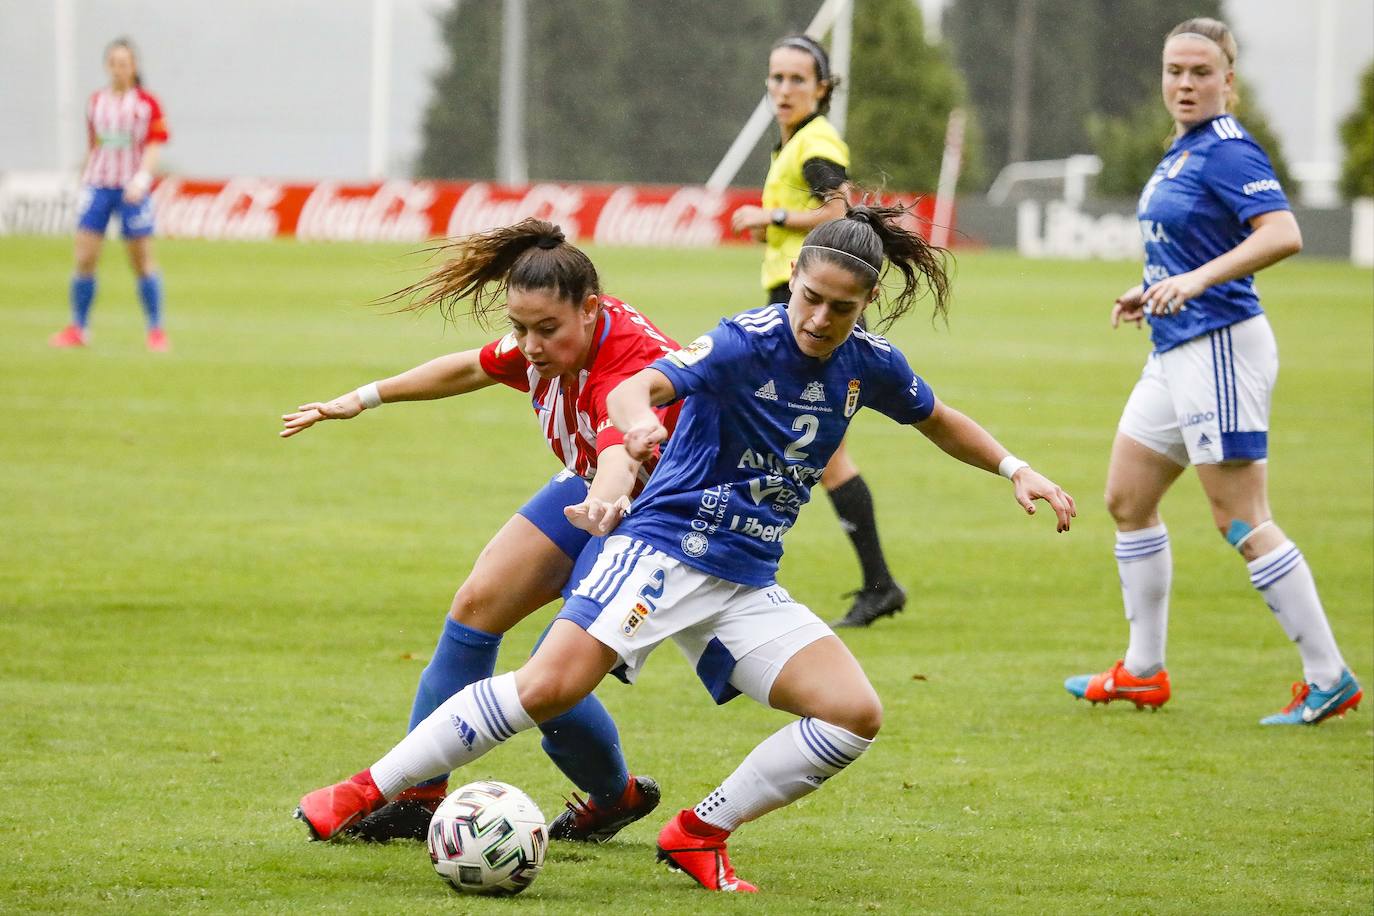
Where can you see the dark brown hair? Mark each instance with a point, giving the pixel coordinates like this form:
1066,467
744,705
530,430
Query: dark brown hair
872,234
820,58
531,255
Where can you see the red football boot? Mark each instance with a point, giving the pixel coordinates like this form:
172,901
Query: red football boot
67,338
329,811
688,844
1116,683
587,822
158,342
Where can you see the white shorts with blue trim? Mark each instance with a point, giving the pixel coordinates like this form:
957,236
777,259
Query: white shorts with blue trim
1207,401
737,637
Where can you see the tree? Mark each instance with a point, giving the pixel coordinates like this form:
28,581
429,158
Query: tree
1089,58
1132,146
619,90
901,93
1357,136
656,90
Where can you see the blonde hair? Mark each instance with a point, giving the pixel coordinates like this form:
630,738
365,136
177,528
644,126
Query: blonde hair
1219,34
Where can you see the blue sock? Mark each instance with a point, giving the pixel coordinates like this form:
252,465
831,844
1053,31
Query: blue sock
585,744
463,655
82,295
150,294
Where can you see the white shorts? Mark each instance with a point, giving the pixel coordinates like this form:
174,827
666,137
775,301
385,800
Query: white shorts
737,637
1207,401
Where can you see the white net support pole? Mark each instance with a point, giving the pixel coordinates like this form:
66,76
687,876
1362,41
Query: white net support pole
841,55
379,101
753,129
64,59
950,165
511,164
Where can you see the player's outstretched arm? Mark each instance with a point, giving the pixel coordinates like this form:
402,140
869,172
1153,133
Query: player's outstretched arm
456,373
631,406
959,436
608,498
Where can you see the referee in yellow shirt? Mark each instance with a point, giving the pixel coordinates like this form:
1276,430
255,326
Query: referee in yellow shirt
806,186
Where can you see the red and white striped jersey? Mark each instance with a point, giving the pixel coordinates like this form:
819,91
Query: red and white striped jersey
572,414
118,126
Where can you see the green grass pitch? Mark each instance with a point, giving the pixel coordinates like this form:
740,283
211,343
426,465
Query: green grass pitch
200,622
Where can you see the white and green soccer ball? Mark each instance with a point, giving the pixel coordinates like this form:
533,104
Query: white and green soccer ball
488,838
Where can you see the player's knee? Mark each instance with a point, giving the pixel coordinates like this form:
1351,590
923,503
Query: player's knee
545,691
863,716
470,599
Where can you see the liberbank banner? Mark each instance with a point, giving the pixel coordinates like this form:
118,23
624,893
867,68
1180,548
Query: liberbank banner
406,211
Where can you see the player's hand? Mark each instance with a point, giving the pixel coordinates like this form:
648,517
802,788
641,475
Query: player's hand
134,195
1129,306
641,441
344,407
1031,485
1172,294
749,218
598,517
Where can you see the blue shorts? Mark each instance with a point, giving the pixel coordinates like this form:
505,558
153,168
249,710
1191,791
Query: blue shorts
97,205
545,512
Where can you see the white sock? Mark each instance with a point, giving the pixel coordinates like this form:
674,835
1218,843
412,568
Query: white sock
1284,579
464,727
790,763
1146,566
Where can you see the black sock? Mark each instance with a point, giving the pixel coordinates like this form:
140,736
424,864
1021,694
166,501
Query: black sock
854,504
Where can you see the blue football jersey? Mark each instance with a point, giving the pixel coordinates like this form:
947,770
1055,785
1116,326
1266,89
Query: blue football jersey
760,422
1196,207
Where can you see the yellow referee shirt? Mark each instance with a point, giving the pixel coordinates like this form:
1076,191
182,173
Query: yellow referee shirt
787,187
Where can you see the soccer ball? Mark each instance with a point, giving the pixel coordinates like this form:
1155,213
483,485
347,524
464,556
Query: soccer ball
488,838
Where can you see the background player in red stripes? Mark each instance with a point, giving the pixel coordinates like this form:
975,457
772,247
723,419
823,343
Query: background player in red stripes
125,132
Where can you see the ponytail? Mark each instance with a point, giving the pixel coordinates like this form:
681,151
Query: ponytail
531,255
872,234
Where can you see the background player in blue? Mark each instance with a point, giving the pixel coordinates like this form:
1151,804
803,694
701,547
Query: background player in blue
1211,214
768,397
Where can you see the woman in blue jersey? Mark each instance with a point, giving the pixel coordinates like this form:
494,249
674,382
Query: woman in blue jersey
769,395
807,185
1211,214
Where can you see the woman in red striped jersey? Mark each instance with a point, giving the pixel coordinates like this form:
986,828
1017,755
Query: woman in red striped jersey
125,131
570,345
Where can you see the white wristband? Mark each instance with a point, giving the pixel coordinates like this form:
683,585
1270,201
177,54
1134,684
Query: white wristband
369,395
1010,465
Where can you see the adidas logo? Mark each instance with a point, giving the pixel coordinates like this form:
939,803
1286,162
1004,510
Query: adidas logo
768,392
1203,441
813,392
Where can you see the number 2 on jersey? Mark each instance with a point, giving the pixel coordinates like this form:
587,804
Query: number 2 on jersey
807,425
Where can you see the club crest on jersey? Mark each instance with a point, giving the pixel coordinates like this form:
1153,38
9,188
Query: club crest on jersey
1177,165
851,400
767,391
693,353
813,393
632,621
694,543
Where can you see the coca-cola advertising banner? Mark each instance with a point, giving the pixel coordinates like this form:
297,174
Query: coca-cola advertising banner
413,211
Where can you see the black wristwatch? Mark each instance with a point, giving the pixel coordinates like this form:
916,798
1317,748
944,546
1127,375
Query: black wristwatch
778,217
